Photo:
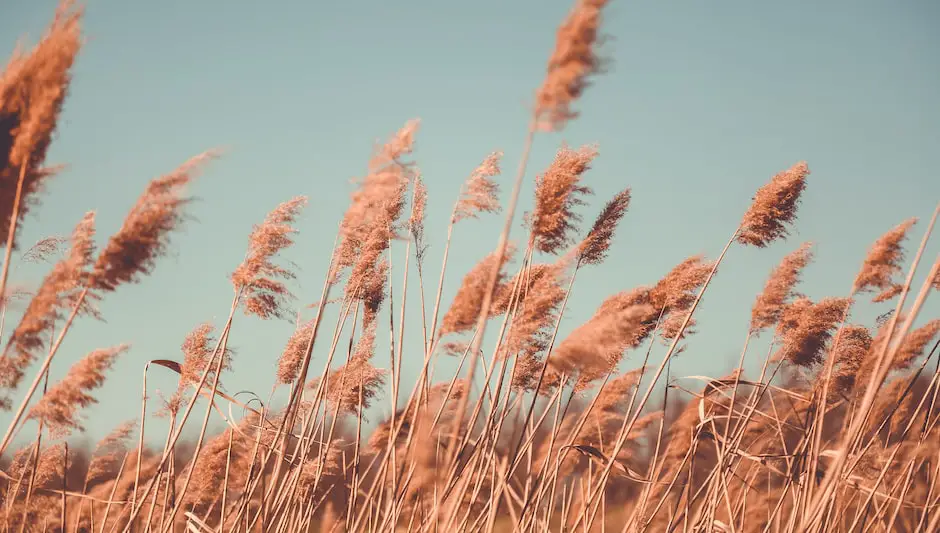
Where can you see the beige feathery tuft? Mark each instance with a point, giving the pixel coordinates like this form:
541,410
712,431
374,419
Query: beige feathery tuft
209,472
357,377
48,467
378,202
913,345
882,263
59,407
54,296
265,294
109,453
617,390
145,234
593,249
326,464
373,291
197,351
778,290
369,276
369,225
525,374
288,366
22,461
677,291
774,208
540,296
627,299
596,347
480,194
557,193
197,348
33,89
851,355
465,309
805,328
573,61
419,202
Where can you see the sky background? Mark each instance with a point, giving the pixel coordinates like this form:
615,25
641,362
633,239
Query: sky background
702,104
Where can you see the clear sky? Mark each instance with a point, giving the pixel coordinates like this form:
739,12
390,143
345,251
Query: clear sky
703,103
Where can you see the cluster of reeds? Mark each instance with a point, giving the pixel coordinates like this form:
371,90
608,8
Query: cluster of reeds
839,431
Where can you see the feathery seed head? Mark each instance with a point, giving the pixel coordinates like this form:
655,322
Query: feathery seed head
379,200
419,202
774,208
357,380
373,291
572,62
596,347
109,453
480,193
260,279
48,471
198,348
557,193
540,296
806,327
55,296
617,390
32,90
779,288
308,486
677,291
851,354
465,309
288,366
369,275
914,343
883,262
145,234
525,374
209,471
58,408
593,249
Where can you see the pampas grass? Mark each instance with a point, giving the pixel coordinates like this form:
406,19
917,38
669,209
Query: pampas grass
564,432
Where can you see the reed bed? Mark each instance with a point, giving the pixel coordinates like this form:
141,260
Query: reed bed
539,431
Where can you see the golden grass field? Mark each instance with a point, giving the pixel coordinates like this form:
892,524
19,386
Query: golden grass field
839,431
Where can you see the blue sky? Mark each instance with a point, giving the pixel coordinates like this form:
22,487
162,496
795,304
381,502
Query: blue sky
704,101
